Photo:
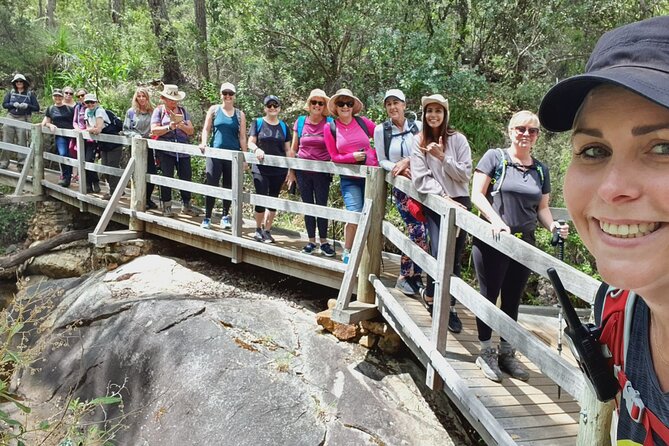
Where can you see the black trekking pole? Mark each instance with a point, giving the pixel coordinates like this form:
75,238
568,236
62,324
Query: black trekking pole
558,242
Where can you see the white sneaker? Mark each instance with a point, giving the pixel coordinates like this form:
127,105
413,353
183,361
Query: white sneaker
226,222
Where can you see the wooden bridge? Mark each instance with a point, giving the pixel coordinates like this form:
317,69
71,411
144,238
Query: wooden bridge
509,413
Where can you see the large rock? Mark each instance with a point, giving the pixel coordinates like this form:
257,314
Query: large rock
205,363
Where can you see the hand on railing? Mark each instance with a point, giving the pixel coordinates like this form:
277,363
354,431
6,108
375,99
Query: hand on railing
498,226
202,148
259,153
402,167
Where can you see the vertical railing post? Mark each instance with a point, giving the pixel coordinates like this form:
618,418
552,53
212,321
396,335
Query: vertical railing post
237,202
594,424
442,293
139,152
38,159
375,190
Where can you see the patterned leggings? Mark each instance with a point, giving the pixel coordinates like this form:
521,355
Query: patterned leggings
416,232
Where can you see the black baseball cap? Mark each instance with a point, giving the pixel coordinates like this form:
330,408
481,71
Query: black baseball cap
271,98
634,56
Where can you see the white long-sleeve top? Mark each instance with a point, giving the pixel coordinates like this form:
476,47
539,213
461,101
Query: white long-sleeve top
450,176
400,146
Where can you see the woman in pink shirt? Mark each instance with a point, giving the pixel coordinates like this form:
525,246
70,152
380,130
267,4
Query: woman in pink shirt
348,142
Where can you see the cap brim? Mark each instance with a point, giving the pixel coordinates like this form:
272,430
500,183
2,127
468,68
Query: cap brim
560,105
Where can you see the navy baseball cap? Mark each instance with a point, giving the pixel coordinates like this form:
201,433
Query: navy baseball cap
271,98
634,56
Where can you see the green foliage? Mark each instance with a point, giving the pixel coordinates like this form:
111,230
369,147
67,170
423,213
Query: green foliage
14,220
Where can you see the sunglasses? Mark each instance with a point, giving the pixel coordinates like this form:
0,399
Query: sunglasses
228,93
81,95
343,104
321,103
272,105
69,93
90,102
531,130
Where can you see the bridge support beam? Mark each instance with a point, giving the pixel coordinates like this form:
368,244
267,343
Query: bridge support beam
139,151
375,190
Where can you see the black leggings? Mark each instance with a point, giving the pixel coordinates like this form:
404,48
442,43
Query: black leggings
168,163
315,189
432,224
269,185
497,273
218,170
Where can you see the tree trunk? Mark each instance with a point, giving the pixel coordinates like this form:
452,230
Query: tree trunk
48,245
50,10
116,10
166,37
202,59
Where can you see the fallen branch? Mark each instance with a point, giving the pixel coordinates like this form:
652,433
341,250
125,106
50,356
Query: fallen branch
48,245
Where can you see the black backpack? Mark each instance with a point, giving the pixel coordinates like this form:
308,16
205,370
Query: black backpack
114,127
388,134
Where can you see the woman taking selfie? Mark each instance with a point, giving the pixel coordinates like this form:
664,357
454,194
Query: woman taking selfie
616,190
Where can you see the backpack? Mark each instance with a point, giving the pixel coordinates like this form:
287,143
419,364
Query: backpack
358,119
614,310
300,125
500,172
388,134
114,127
284,129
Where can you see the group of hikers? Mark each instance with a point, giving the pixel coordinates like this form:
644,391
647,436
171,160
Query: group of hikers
614,189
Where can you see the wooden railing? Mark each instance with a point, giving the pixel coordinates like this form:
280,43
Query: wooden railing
365,260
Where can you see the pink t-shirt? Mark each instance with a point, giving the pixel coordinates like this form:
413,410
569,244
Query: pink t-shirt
312,144
351,138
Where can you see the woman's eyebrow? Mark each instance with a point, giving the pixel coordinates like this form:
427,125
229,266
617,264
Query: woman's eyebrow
645,129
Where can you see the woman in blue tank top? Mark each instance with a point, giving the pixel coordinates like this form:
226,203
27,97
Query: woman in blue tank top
228,124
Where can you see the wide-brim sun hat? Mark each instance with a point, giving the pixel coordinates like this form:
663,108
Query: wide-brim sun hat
172,92
227,86
317,93
394,93
90,97
344,92
634,56
434,99
20,77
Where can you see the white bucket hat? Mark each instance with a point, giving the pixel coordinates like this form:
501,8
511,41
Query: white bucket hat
172,92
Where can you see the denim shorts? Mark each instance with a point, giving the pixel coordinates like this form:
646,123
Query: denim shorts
353,192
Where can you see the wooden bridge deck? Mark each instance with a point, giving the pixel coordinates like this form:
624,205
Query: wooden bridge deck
511,412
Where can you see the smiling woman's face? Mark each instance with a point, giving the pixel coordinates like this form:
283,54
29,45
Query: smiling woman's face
617,188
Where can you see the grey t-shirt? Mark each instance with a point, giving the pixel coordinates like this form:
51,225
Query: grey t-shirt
643,378
518,201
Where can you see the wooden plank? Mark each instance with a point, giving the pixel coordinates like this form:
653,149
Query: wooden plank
60,159
375,192
304,208
237,202
107,170
113,237
346,289
139,151
8,199
415,253
558,419
442,295
570,378
14,147
113,202
35,158
356,312
456,388
27,164
203,189
15,123
556,433
552,408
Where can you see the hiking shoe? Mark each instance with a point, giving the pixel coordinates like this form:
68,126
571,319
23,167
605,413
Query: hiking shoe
206,223
96,188
258,236
151,205
487,362
187,209
267,237
309,248
510,364
167,209
106,197
429,305
345,256
403,284
327,250
64,183
4,164
226,222
416,283
454,322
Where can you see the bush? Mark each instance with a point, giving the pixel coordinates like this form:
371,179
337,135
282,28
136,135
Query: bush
14,222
